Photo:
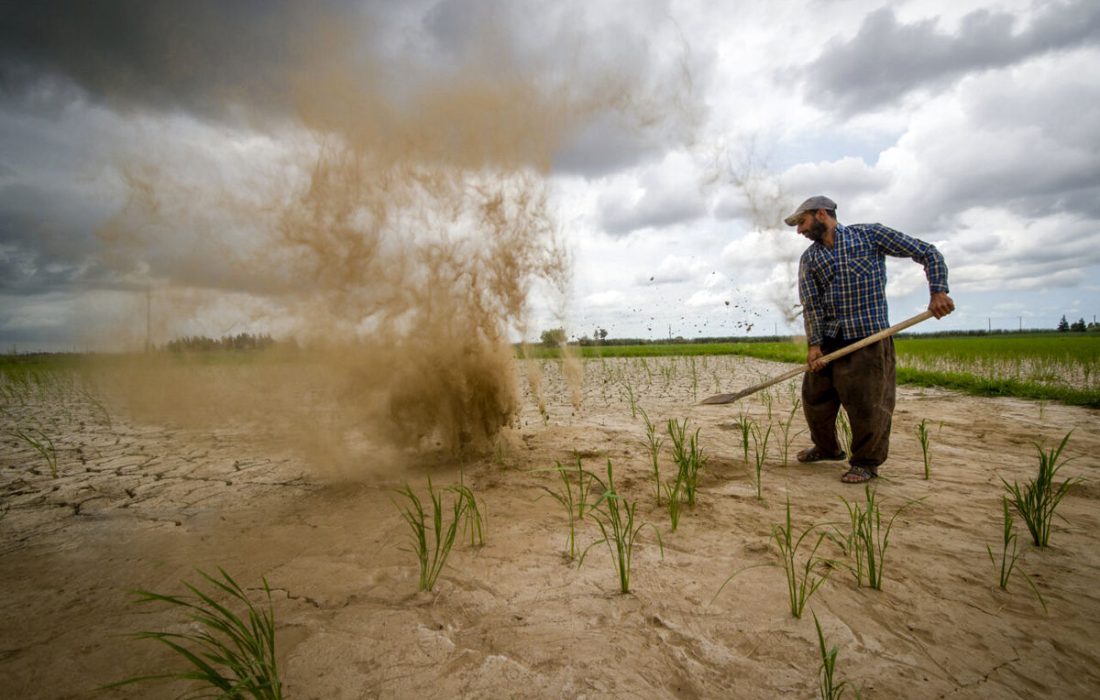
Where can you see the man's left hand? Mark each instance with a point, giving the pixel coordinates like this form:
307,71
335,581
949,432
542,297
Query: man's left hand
941,304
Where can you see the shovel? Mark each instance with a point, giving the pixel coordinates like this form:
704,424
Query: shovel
730,398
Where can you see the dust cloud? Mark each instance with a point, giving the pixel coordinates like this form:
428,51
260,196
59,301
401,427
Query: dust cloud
395,239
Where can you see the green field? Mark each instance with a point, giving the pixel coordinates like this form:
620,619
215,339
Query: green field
1043,366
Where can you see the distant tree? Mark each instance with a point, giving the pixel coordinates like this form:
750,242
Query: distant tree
601,334
1078,325
1063,325
553,337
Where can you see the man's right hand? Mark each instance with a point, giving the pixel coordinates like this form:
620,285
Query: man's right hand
813,358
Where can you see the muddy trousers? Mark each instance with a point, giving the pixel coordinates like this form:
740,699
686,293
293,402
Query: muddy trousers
864,384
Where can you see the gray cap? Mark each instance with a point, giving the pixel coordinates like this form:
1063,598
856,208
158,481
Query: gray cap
811,204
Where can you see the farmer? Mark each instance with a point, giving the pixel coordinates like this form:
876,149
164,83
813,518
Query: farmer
842,287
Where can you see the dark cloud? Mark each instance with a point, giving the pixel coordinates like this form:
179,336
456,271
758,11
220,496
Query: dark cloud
886,59
201,56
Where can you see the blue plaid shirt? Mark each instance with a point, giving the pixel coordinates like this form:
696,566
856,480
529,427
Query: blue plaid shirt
843,288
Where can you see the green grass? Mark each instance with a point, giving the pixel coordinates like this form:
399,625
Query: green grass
1041,366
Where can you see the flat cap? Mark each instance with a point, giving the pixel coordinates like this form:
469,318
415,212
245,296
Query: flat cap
811,204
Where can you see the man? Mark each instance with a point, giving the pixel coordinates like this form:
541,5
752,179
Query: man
842,287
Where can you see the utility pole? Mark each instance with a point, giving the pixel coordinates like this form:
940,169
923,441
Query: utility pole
990,320
1021,323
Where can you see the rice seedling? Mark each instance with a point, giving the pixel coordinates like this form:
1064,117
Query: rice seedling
803,579
694,380
431,552
615,517
633,399
745,426
922,436
868,539
1039,497
673,501
760,454
41,443
1008,560
766,399
653,445
572,500
688,456
785,429
473,520
230,655
844,430
829,687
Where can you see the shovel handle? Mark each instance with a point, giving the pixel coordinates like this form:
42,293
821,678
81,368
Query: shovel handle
846,350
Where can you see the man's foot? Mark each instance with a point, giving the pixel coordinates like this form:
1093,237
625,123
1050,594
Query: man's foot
813,454
858,475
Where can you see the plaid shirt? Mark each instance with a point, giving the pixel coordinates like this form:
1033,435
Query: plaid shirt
843,288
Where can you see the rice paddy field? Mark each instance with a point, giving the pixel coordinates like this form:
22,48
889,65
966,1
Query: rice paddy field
629,542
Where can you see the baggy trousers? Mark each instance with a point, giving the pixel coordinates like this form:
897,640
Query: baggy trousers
864,384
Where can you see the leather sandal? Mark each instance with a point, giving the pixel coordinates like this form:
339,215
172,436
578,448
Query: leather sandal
812,454
858,475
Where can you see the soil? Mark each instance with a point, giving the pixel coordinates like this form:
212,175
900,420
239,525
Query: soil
139,504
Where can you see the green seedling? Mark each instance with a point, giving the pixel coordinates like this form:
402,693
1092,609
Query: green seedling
802,578
673,502
572,495
785,427
633,399
473,520
760,453
230,655
1008,559
615,517
432,539
868,539
653,445
844,430
829,687
745,425
688,456
1039,497
694,380
41,443
922,435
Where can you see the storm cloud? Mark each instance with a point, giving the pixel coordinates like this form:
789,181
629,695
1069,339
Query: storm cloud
886,59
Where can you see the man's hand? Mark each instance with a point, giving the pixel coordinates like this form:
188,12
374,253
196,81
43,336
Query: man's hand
941,304
813,358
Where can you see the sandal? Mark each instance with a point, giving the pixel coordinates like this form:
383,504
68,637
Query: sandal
858,475
813,454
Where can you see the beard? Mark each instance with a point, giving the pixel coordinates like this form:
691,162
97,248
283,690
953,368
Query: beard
817,231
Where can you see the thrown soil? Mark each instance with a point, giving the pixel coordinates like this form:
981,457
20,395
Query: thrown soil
142,505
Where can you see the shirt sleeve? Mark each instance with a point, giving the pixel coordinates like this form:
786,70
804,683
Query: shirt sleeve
899,245
809,294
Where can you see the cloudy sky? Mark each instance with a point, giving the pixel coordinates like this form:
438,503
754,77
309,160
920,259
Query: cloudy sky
142,143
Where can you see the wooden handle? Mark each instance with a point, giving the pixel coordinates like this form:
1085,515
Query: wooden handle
848,349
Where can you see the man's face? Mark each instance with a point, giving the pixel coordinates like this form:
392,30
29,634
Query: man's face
811,227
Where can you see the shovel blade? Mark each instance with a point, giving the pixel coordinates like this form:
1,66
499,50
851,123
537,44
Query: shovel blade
724,398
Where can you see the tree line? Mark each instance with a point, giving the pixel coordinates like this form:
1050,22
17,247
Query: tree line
202,343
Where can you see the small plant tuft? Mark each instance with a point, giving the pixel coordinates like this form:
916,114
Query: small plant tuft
432,538
615,517
1039,497
802,578
229,653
